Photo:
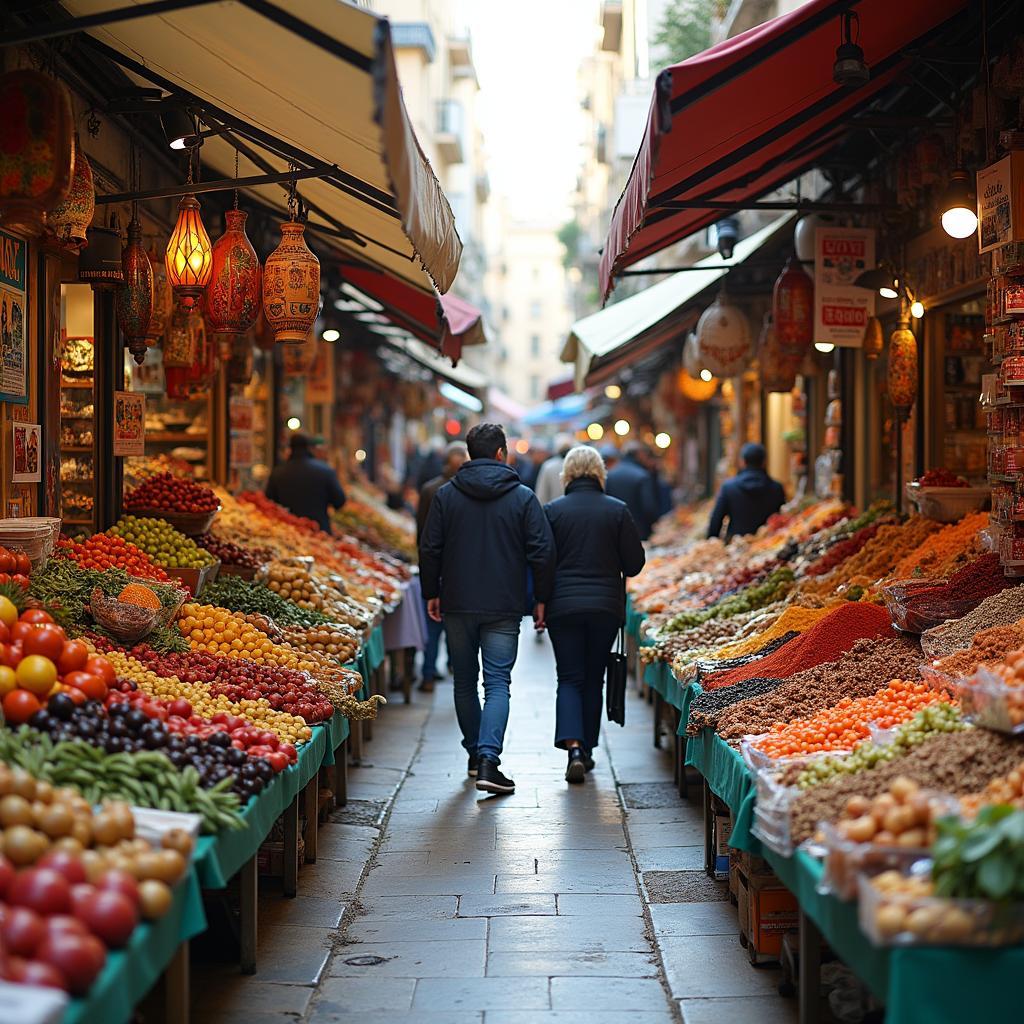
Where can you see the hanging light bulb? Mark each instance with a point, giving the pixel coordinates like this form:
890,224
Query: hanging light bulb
189,257
849,68
706,375
824,347
959,206
917,309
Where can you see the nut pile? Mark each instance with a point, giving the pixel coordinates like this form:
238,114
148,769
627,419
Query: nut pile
1006,789
958,763
989,645
868,665
901,816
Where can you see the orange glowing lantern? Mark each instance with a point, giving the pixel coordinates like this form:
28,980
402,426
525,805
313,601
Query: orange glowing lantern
793,309
189,256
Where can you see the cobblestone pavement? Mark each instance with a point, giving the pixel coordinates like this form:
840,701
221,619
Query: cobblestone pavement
463,908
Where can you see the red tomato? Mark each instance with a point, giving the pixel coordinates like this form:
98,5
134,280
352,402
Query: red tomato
21,629
75,694
99,666
36,615
47,641
278,761
35,972
73,657
78,957
5,633
180,707
43,890
288,749
6,875
22,931
110,916
92,686
23,564
64,923
267,738
21,580
19,706
65,863
115,880
7,561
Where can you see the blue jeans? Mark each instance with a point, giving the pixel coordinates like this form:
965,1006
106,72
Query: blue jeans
497,639
581,644
435,630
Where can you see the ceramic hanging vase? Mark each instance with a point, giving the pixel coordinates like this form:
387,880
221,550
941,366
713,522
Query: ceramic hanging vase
163,300
291,286
135,294
37,149
70,218
723,338
902,376
233,294
793,309
778,371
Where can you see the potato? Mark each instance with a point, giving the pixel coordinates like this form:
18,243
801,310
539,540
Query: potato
890,920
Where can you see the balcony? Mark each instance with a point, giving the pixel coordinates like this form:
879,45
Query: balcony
460,57
611,22
414,35
451,131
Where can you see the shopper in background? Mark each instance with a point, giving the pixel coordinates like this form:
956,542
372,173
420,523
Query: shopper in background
631,481
427,463
597,544
529,470
549,478
748,499
483,531
305,485
454,456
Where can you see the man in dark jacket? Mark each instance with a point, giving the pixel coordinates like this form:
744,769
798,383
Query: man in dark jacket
305,485
483,530
748,499
454,456
630,481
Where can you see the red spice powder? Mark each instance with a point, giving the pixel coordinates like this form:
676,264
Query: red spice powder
827,640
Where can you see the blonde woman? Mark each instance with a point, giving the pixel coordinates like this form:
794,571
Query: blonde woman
597,544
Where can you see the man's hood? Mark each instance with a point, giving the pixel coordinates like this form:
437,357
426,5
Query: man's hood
485,479
751,479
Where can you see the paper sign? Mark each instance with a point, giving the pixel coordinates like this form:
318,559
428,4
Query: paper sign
841,311
129,423
13,319
995,205
27,452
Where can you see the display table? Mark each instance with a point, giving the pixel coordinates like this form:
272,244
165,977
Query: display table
938,985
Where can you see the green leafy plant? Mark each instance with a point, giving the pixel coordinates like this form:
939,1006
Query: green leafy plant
983,859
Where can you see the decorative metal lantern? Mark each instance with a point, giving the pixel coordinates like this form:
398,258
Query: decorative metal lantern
873,340
778,371
179,341
234,293
70,218
189,257
135,294
793,309
163,300
723,338
291,286
37,148
100,261
902,377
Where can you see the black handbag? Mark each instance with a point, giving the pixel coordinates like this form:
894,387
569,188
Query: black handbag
615,688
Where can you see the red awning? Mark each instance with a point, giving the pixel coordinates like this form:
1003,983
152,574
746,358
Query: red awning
444,321
752,113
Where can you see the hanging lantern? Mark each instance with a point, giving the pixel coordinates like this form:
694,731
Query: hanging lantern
723,338
37,148
233,297
793,309
873,341
291,286
902,367
240,362
100,261
189,256
163,300
695,389
204,368
71,217
179,341
135,294
803,234
778,372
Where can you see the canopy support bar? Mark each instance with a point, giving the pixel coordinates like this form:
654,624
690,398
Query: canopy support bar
800,205
216,185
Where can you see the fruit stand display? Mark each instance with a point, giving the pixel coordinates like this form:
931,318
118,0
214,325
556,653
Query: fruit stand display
848,686
158,725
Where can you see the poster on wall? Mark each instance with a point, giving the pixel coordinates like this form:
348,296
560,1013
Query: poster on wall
129,423
995,206
841,311
320,378
13,320
27,453
242,417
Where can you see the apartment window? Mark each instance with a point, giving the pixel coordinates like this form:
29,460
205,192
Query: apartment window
534,387
535,310
534,345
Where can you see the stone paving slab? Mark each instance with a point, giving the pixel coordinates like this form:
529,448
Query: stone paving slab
594,964
617,995
453,958
448,994
533,934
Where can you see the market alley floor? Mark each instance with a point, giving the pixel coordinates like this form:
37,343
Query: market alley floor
463,908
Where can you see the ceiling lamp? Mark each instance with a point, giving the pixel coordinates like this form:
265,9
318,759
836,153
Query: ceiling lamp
291,286
793,309
849,68
727,231
189,257
234,294
881,279
134,299
824,347
180,128
959,206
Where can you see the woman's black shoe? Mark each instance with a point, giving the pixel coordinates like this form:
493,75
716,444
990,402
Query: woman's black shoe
576,769
588,761
490,780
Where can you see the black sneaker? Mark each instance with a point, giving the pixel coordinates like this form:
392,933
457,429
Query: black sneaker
474,763
490,780
588,761
576,769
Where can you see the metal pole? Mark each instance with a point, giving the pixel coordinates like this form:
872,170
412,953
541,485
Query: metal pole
217,185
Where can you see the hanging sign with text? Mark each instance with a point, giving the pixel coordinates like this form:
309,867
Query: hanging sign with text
841,311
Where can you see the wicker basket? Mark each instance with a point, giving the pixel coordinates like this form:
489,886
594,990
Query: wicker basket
105,611
35,535
192,524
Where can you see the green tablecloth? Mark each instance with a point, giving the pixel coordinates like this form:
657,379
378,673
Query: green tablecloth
337,732
634,619
940,985
375,648
131,972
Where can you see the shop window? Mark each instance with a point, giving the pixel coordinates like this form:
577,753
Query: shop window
534,345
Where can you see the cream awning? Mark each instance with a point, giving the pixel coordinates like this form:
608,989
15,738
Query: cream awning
651,315
312,80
